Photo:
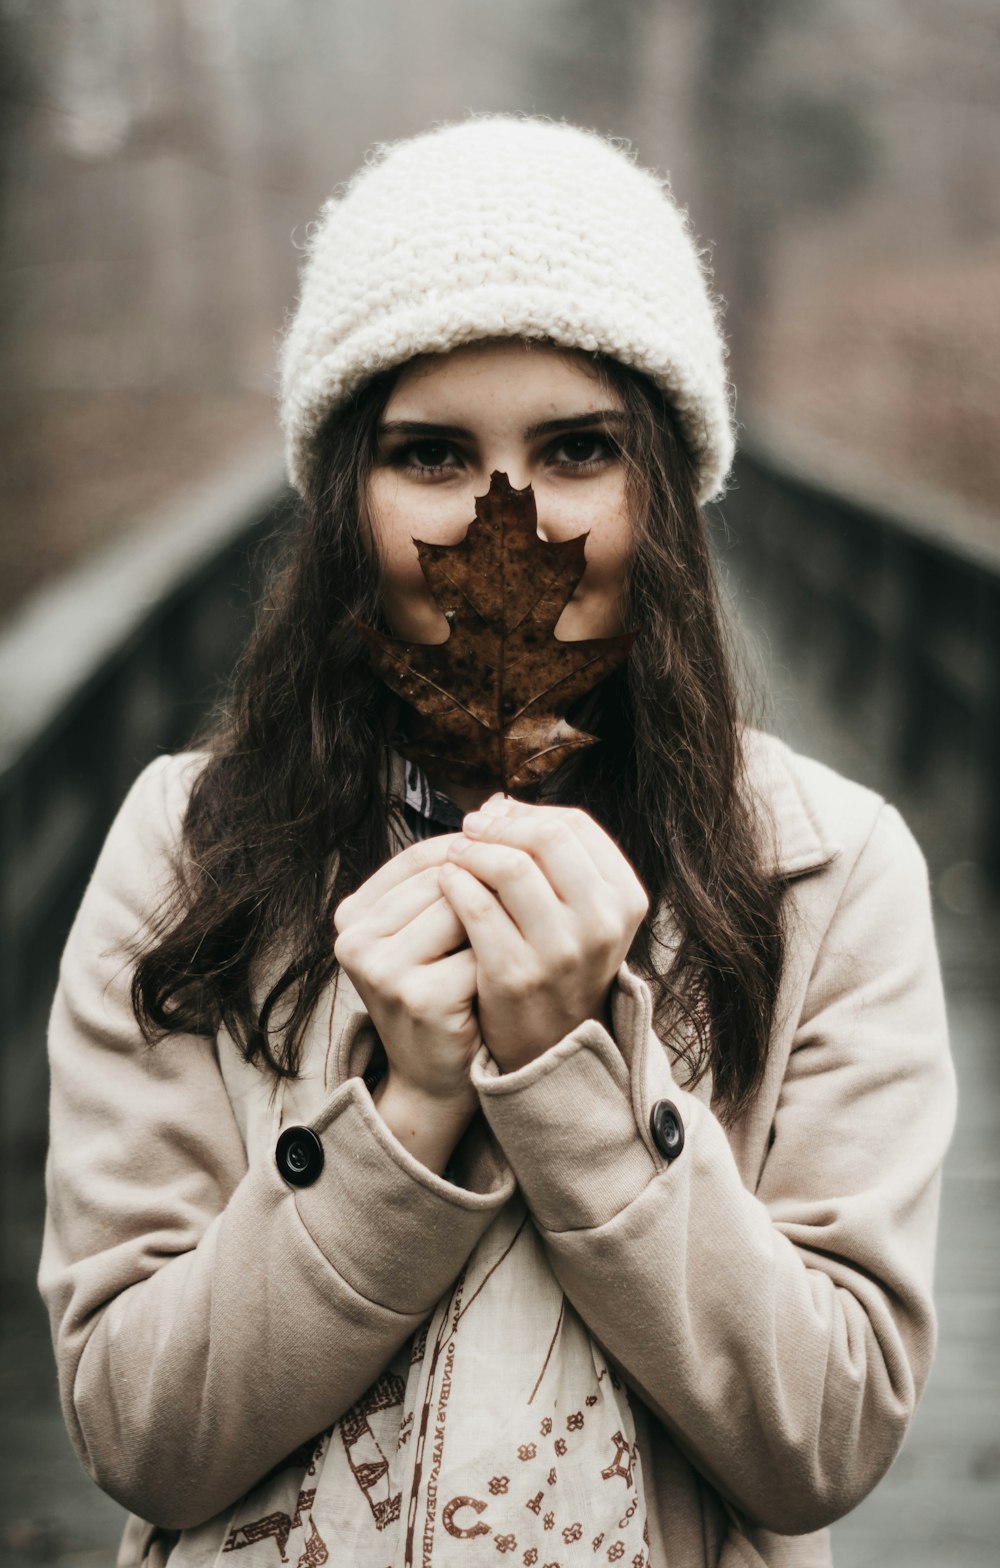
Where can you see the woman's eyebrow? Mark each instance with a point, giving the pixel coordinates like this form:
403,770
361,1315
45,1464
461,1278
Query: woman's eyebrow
423,427
600,416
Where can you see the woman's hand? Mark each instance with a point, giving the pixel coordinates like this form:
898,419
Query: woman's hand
550,905
406,953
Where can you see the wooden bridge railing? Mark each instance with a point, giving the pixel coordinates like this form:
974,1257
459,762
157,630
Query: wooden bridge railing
121,660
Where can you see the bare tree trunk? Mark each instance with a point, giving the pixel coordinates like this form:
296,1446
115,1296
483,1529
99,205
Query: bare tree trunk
730,120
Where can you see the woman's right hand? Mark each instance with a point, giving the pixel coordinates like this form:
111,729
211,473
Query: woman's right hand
406,952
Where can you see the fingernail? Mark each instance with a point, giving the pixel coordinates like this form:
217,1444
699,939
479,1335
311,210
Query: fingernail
458,848
495,805
474,822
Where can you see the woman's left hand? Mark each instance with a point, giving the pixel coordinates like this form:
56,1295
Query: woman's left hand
550,906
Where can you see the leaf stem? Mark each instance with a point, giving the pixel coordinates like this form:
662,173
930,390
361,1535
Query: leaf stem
501,726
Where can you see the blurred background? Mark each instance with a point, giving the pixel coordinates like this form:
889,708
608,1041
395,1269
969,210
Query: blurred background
160,161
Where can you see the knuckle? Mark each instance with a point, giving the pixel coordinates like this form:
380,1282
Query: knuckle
516,866
566,966
522,979
424,855
414,996
488,827
599,943
428,879
452,930
513,824
607,930
454,1027
636,901
381,977
561,835
477,901
344,948
566,956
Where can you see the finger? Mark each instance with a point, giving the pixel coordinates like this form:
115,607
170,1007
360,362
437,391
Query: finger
432,932
409,862
521,886
547,837
541,830
399,905
493,936
455,975
601,847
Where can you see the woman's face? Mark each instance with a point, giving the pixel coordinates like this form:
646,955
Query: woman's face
537,414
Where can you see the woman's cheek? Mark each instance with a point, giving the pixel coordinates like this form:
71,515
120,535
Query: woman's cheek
409,610
408,607
595,609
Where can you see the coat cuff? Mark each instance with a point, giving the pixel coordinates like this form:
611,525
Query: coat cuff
575,1122
393,1230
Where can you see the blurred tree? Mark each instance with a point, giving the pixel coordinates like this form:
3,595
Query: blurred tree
588,54
767,151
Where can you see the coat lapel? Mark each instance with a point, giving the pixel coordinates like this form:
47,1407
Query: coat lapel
796,839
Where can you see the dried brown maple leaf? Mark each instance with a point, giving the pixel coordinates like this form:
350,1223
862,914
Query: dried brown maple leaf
491,701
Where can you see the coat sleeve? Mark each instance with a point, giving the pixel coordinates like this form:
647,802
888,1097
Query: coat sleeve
782,1336
207,1318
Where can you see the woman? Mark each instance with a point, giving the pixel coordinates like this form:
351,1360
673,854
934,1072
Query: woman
436,1175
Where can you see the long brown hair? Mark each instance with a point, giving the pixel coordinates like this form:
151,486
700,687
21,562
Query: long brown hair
292,810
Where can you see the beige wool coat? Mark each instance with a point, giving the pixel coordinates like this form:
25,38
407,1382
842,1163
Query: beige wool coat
767,1294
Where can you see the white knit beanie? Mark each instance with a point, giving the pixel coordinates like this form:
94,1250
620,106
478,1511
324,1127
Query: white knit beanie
504,226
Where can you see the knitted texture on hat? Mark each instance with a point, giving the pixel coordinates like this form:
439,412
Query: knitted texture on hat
504,226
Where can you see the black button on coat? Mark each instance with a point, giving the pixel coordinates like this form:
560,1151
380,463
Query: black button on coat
298,1155
667,1128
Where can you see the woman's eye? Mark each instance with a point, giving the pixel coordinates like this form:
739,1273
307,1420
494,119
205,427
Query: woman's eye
426,456
582,451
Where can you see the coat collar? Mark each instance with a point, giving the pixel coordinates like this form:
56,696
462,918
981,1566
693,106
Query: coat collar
797,840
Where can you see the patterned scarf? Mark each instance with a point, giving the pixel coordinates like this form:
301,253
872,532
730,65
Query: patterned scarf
499,1430
426,811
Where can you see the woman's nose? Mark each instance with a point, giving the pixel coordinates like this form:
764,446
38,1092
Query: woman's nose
519,477
518,474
